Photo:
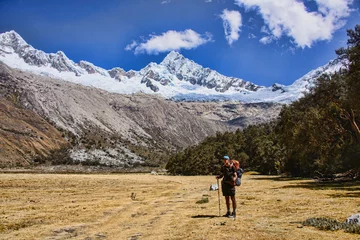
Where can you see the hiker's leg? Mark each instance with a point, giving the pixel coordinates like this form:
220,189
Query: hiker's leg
233,199
227,198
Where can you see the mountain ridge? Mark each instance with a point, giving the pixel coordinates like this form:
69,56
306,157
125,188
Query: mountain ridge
176,77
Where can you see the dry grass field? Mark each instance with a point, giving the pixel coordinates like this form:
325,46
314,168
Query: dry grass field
50,206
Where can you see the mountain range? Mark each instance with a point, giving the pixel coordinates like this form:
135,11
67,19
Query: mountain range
122,118
111,129
175,78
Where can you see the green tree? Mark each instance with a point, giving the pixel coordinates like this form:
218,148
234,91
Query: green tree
350,104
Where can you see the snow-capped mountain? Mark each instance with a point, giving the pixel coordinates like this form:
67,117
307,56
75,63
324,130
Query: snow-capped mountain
176,77
187,70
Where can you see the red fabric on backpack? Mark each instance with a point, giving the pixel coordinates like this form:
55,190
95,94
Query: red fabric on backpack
236,164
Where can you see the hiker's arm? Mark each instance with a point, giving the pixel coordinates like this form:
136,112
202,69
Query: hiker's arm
221,173
235,176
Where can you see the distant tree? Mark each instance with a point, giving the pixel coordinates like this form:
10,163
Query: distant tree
351,101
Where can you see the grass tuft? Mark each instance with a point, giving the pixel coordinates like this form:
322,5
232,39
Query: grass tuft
332,225
203,200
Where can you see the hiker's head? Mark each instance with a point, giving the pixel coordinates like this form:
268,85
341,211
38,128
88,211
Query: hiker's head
227,161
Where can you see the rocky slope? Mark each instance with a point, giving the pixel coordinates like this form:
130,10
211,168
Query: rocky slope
74,107
121,130
25,136
234,114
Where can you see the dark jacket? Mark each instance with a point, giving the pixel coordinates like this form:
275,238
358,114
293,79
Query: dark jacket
227,173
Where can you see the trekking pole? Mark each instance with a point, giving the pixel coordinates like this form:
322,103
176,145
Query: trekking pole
218,195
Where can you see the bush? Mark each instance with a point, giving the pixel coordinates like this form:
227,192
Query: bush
332,225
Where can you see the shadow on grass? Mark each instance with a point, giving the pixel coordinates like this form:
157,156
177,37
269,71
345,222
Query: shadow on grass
345,186
344,195
278,178
205,216
348,189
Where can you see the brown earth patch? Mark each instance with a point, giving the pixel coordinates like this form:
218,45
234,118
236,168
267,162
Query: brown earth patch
24,135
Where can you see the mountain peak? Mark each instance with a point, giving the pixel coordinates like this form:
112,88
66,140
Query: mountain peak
171,57
61,53
12,38
11,34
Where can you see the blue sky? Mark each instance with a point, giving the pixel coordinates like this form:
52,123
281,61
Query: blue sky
267,41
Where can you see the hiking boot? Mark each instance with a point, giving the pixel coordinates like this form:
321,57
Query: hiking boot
227,214
232,215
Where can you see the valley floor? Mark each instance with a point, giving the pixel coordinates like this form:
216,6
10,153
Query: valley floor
60,206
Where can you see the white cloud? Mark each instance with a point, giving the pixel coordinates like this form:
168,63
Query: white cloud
338,8
131,46
292,18
251,35
266,40
165,1
291,49
170,40
251,20
232,23
264,30
208,1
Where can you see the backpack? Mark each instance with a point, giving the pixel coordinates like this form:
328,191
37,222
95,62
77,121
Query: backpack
239,171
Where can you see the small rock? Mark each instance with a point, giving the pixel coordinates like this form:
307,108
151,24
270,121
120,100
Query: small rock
220,224
100,235
354,219
214,187
135,236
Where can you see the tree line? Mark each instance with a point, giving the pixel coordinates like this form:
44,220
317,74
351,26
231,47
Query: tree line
317,133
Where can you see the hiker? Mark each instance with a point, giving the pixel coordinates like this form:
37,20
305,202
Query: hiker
228,173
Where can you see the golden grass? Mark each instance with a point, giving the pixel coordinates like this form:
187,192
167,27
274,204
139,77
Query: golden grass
46,206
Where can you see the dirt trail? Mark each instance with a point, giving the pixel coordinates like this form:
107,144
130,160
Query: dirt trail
164,207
